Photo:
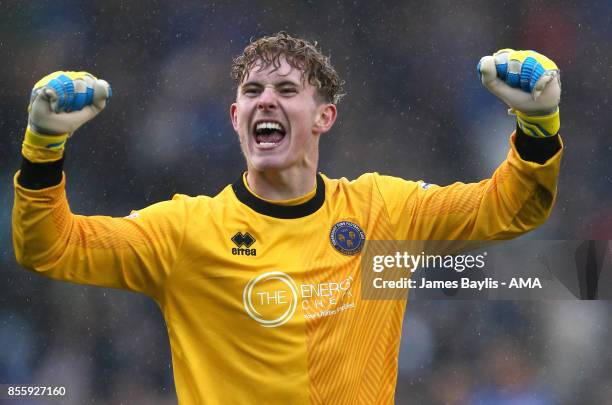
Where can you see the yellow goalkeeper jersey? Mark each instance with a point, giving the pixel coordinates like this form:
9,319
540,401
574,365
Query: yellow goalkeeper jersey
262,300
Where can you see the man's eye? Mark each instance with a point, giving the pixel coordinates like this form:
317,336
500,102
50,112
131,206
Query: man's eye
250,92
288,90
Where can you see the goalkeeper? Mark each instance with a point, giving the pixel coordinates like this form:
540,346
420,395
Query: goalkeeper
260,285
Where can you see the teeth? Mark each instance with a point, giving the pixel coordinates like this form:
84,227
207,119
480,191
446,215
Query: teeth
269,125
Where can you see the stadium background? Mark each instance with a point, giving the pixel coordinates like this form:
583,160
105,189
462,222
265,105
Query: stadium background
414,108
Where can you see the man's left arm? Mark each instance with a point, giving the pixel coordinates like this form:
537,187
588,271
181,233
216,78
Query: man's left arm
529,83
520,194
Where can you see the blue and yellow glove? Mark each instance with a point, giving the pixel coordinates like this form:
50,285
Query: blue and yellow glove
530,84
59,104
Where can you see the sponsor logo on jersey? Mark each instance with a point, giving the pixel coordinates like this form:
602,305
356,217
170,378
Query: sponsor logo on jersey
272,298
243,242
347,237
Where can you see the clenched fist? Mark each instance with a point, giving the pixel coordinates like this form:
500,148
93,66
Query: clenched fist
529,83
63,101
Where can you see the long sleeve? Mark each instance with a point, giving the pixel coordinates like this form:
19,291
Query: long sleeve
135,253
517,198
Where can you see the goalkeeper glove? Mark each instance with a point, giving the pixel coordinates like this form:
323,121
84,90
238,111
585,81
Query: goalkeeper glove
529,83
59,104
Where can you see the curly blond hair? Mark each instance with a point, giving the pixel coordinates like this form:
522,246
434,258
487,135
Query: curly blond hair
299,54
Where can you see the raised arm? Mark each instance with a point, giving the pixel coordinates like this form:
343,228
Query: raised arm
135,253
519,196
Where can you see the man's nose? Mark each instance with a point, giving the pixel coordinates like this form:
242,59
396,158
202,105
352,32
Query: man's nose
267,99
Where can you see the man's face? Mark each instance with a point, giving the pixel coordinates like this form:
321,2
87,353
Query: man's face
278,118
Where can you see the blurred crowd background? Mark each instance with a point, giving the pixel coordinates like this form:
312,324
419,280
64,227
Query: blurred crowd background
414,108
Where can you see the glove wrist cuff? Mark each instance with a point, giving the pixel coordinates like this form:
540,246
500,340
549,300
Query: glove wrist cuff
43,148
539,126
52,142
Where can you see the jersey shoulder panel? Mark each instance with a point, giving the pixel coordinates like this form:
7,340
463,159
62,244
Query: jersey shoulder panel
355,192
357,198
392,190
399,198
204,211
201,204
221,202
344,185
385,183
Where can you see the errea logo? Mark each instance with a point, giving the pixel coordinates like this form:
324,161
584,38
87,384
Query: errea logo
243,239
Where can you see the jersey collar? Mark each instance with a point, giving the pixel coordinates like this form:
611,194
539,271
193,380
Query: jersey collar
280,211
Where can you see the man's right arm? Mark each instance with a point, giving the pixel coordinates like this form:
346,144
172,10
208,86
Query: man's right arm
136,253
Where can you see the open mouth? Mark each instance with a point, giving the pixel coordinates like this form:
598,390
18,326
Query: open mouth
268,134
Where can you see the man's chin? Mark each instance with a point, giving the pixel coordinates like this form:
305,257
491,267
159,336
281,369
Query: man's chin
268,163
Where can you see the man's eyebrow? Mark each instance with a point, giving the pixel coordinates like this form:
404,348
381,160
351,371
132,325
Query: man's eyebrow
251,83
279,84
287,83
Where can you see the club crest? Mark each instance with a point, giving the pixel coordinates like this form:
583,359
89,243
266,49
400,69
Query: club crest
347,237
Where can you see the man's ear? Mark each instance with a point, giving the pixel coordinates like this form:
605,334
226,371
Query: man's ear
234,116
325,118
